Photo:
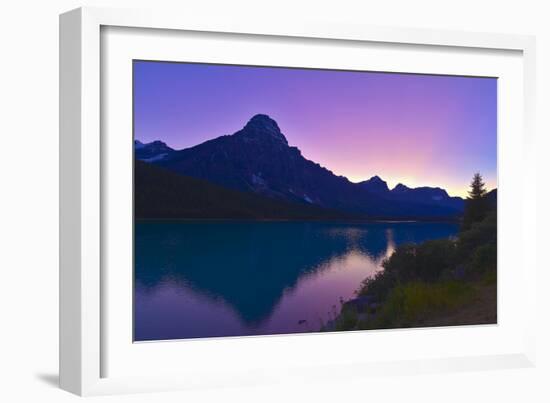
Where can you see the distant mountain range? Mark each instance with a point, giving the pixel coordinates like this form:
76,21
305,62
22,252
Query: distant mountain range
257,160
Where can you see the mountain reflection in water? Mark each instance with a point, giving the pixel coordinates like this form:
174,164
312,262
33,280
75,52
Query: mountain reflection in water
230,278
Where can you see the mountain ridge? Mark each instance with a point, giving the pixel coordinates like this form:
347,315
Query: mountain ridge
258,159
164,194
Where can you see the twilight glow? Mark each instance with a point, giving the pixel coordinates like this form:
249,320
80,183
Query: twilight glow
420,130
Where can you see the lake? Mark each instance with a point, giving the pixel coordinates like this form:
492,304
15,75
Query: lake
229,278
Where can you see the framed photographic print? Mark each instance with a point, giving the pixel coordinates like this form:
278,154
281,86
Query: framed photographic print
244,203
243,234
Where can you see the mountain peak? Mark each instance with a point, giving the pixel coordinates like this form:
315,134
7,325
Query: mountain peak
375,184
263,120
375,179
151,152
261,125
400,188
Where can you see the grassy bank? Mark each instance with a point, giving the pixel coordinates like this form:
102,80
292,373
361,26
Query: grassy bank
437,283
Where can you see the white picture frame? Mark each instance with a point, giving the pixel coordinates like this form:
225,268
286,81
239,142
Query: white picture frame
89,337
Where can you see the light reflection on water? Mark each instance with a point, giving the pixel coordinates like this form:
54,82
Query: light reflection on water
206,279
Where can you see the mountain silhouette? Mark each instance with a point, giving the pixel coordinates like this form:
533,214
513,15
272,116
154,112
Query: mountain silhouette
375,185
258,159
164,194
151,152
426,195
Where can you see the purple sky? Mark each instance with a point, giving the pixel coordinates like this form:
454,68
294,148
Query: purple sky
420,130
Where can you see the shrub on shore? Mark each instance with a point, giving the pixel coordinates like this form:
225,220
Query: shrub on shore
438,260
409,304
425,262
477,247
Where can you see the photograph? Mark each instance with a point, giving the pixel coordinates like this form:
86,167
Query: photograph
281,200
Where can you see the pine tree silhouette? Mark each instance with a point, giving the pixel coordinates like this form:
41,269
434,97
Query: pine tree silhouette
477,187
476,204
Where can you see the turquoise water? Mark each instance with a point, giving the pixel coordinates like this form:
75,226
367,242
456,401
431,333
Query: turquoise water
207,279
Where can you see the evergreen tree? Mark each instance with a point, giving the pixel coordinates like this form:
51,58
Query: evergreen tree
477,187
476,204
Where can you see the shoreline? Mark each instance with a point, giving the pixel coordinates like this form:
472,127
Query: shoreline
417,287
